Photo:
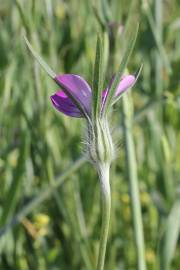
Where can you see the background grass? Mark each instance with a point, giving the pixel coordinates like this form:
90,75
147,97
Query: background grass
49,195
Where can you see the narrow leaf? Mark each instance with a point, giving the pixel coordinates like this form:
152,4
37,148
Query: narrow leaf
158,41
44,65
127,54
170,237
25,21
99,17
98,79
106,11
42,196
11,200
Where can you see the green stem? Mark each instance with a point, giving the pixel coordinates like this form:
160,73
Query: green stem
133,184
103,171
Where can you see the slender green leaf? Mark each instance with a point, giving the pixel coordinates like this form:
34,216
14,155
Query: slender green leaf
121,69
12,195
99,17
158,41
170,237
42,196
25,21
131,165
44,65
106,11
98,78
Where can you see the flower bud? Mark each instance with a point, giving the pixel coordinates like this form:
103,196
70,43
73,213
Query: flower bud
100,145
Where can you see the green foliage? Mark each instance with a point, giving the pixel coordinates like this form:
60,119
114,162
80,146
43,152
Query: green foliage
98,79
49,195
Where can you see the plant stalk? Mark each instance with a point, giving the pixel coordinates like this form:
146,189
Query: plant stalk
103,171
133,184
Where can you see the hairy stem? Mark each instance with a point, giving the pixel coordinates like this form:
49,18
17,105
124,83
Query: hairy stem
103,171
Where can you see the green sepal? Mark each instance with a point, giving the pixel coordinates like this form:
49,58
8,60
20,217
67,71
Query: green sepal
97,79
43,64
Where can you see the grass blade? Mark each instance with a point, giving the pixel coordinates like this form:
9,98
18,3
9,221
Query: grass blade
12,195
158,41
170,237
133,184
43,195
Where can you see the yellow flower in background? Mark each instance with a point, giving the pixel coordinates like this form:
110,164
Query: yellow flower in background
39,227
41,220
150,256
145,198
125,198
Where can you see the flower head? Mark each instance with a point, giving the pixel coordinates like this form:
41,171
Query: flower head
81,92
76,98
78,103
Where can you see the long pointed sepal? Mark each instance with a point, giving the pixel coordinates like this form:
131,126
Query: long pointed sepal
42,63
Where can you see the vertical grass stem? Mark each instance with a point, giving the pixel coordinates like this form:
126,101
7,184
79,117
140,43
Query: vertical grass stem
133,184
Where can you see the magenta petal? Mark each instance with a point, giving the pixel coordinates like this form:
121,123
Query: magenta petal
78,88
126,82
63,104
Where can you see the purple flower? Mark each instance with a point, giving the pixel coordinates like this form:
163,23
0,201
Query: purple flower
81,92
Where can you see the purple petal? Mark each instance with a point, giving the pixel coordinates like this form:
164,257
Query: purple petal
63,104
105,92
126,82
78,88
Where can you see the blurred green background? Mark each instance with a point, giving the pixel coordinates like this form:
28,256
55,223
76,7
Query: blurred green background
49,195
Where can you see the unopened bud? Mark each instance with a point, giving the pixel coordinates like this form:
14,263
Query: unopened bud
100,145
